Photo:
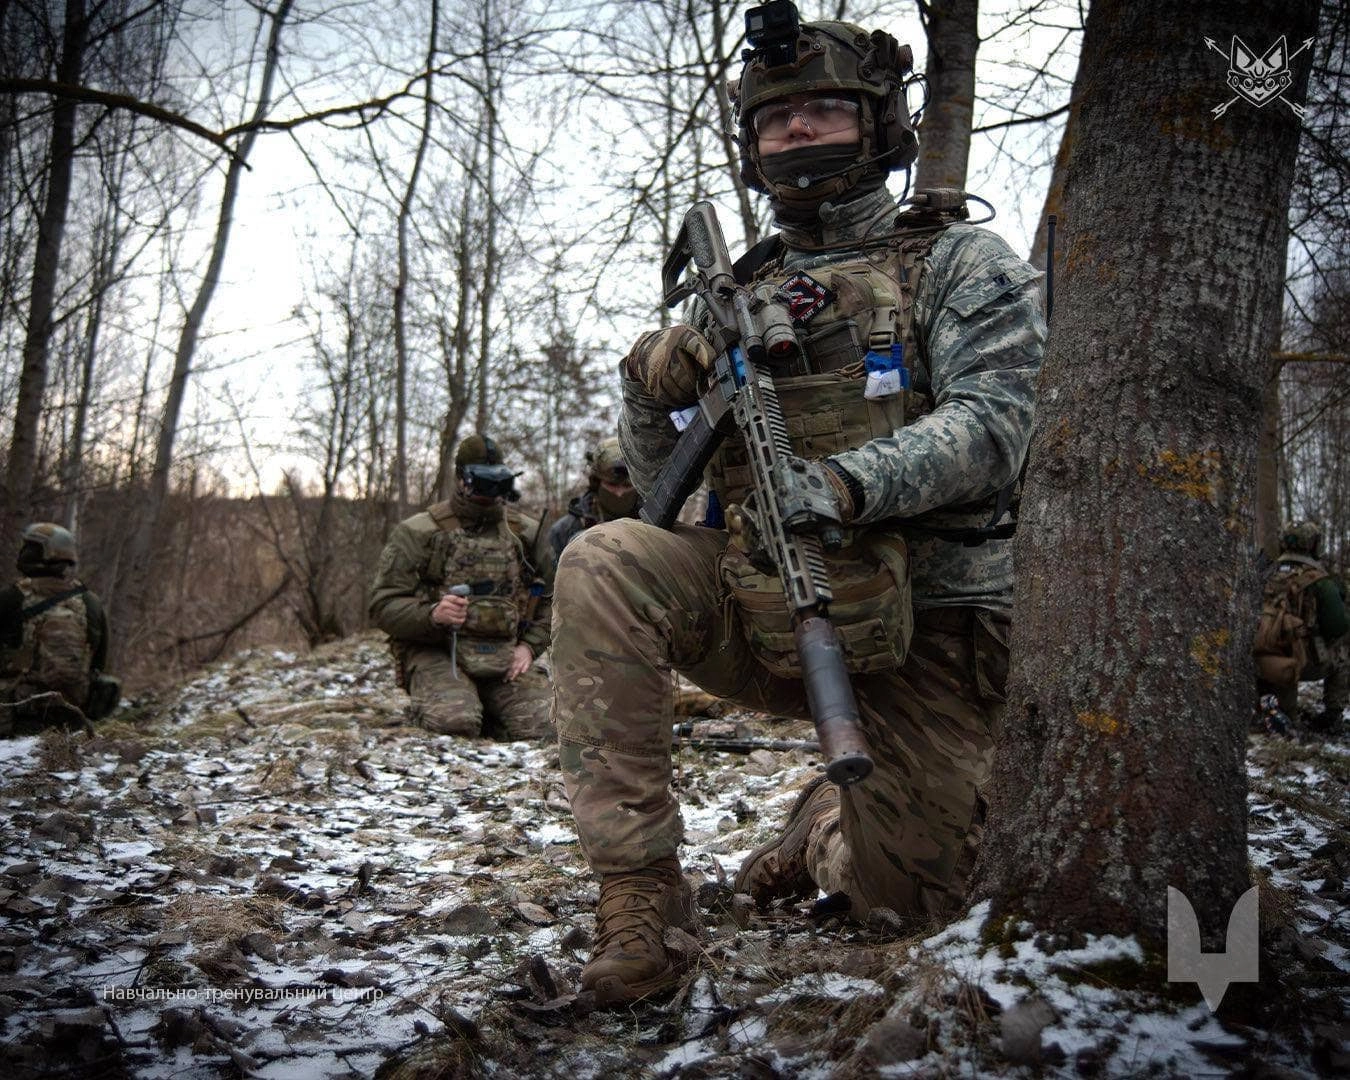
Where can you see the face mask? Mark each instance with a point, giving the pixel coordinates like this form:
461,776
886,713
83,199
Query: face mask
617,506
810,163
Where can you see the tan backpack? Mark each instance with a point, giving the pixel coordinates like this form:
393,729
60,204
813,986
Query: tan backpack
1288,622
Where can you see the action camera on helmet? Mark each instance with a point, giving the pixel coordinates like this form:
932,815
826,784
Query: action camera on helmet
771,30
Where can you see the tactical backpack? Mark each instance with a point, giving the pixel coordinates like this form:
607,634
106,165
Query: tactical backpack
1288,622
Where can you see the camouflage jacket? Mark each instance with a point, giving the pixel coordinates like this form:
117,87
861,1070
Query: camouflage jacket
405,590
980,336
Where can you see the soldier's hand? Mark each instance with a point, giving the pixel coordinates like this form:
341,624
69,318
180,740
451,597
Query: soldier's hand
668,363
521,658
450,611
812,496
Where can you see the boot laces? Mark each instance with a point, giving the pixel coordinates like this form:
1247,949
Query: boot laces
630,911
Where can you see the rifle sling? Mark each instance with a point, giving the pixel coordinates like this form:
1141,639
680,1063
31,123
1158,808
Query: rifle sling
50,602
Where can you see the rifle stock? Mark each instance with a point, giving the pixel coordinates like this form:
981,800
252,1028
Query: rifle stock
748,332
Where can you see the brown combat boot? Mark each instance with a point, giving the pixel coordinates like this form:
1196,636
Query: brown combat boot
777,870
630,960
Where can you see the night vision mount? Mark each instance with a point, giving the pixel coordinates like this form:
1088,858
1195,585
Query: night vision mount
771,31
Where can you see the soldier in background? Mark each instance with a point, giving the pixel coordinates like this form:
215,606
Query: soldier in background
53,639
609,495
1304,630
466,612
915,473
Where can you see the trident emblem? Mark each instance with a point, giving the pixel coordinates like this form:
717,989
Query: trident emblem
1259,79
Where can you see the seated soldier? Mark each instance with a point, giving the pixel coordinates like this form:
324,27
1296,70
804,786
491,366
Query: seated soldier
466,612
53,639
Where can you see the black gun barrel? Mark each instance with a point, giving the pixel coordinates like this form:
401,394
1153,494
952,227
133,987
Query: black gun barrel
830,697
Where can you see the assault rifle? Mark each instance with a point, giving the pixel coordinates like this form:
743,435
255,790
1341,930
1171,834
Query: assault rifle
749,333
689,735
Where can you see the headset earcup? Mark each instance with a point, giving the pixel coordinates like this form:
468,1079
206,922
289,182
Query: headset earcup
895,137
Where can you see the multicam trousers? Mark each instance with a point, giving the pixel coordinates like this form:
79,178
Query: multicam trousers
441,703
1331,667
631,602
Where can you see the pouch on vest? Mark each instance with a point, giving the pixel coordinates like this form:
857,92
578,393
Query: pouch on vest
494,617
480,658
871,611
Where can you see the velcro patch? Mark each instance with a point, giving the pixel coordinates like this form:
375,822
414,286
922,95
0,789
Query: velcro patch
805,297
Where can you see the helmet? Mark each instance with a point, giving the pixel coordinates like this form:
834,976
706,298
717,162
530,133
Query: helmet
788,58
53,542
477,450
606,462
1301,538
478,463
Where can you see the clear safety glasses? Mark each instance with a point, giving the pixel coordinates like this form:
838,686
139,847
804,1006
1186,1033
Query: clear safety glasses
822,116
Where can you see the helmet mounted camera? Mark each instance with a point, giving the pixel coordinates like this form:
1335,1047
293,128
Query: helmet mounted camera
771,32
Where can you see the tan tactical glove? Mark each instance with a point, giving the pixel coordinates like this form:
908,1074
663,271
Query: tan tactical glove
668,363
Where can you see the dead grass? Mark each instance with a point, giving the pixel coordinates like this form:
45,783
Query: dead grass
1302,800
279,774
216,919
1281,755
1278,907
59,750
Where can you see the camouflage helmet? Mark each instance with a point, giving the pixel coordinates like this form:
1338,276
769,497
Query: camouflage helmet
822,57
54,542
477,450
1301,538
606,462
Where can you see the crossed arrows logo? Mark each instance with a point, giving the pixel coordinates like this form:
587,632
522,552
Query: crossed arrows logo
1259,79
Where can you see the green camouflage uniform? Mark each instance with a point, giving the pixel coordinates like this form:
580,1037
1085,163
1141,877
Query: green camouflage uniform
632,602
419,564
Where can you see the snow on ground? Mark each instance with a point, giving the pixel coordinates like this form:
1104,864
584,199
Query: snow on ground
264,874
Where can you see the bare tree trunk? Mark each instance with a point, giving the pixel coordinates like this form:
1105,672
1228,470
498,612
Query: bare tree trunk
487,289
1120,765
187,343
46,267
716,69
401,286
1268,467
952,29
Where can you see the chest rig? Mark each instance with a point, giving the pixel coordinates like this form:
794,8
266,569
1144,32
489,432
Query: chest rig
487,557
843,309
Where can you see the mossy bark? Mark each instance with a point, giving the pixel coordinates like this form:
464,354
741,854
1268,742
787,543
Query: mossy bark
1120,767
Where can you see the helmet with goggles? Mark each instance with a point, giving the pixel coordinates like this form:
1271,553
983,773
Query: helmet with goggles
478,463
837,71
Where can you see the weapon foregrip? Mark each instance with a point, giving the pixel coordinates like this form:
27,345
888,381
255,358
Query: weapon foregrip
830,696
681,474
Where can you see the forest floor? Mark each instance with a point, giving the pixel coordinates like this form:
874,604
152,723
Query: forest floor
264,874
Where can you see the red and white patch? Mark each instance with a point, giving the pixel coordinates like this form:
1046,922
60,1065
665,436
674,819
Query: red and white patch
805,297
